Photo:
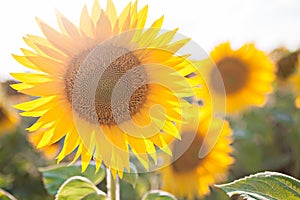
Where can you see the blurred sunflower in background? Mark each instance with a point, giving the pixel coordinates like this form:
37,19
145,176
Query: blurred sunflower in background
294,79
68,67
190,175
9,118
286,62
247,75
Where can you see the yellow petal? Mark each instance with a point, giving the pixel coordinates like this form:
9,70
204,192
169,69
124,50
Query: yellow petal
21,86
44,89
60,41
47,135
151,150
142,17
133,14
71,141
148,37
48,65
86,24
31,78
297,102
164,39
30,105
103,28
60,129
47,48
67,27
124,18
143,158
116,29
24,61
138,144
171,129
78,153
96,12
116,136
32,45
111,11
98,164
174,47
52,53
86,157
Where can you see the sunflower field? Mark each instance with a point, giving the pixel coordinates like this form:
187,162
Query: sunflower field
117,106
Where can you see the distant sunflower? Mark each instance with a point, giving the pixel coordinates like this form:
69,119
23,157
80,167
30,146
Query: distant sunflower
78,70
190,176
247,75
286,63
9,118
294,79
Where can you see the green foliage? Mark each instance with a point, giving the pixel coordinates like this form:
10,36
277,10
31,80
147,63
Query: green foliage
78,188
158,195
268,138
141,187
218,194
132,176
19,164
266,185
55,176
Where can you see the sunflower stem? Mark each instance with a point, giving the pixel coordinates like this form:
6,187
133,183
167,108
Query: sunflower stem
113,186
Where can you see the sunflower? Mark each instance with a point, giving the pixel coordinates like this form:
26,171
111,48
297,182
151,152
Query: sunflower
246,74
9,118
199,160
108,87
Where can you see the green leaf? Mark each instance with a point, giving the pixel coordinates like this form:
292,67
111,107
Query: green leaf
6,196
54,176
132,176
265,185
158,195
78,188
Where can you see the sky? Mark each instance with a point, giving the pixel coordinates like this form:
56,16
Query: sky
267,23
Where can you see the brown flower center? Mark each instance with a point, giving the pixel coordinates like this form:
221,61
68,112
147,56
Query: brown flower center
106,85
287,65
2,114
189,160
234,74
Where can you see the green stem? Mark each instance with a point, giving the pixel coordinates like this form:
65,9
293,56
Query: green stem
5,194
113,186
